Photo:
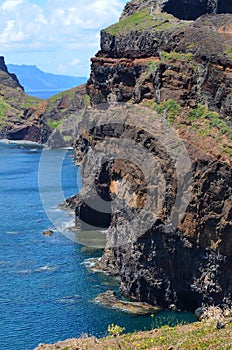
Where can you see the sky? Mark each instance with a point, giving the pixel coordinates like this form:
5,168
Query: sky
58,36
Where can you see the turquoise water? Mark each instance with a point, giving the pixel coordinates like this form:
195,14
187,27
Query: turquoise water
46,291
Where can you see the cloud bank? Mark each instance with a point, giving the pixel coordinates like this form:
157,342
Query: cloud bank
58,26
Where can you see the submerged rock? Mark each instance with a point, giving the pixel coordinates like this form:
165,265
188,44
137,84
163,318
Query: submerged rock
109,299
48,232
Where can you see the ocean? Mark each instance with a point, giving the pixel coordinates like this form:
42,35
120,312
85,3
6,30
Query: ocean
44,94
46,291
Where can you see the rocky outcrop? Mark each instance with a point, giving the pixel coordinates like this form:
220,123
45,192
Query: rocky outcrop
15,119
171,251
153,262
182,9
109,299
28,118
172,63
8,79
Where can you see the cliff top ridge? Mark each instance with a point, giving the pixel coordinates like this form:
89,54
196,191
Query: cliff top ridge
182,9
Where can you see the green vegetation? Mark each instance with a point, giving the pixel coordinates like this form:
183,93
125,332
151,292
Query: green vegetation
29,101
86,100
67,138
170,107
140,21
3,108
115,330
229,52
211,120
195,336
209,123
152,66
187,56
200,120
54,123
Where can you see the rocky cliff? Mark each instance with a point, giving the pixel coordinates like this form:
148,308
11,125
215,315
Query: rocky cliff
24,117
182,9
156,154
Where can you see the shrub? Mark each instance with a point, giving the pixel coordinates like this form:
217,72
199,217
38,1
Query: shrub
115,330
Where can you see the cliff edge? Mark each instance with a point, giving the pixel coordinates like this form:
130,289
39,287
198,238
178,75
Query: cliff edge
160,122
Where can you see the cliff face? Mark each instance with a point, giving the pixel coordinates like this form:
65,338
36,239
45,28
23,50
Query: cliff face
24,117
15,120
194,57
182,9
172,249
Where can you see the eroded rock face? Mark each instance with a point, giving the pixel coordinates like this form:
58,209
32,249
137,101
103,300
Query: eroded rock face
182,9
8,79
187,62
185,266
188,263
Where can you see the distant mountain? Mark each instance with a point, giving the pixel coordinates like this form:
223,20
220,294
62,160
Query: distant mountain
32,78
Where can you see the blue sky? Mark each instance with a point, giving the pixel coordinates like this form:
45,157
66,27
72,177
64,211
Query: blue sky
58,36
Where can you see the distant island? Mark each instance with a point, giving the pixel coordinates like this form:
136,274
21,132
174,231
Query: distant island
34,80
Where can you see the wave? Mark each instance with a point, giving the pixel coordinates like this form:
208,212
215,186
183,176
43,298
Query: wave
91,262
45,268
70,299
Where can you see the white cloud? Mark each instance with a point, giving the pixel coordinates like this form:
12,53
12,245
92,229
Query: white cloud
68,25
75,62
10,5
11,34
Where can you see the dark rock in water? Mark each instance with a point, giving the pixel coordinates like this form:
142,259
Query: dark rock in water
109,299
24,132
48,232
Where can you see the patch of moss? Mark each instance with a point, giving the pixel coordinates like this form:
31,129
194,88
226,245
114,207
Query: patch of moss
140,21
229,52
86,100
29,101
201,121
67,138
187,56
169,107
54,123
3,108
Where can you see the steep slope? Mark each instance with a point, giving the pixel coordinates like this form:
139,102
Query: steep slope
173,249
24,117
15,118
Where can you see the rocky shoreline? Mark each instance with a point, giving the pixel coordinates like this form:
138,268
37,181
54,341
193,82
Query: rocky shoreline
109,299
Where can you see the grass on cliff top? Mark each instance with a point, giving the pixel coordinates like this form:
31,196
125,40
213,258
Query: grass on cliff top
199,335
200,120
140,21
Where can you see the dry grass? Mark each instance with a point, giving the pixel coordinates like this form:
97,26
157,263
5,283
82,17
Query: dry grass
198,335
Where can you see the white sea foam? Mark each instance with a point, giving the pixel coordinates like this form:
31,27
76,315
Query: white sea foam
70,299
46,268
91,262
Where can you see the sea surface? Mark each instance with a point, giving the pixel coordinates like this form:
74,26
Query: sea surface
46,291
44,94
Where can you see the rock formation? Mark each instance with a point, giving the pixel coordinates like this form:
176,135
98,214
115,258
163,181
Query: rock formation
25,117
155,148
182,9
168,71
